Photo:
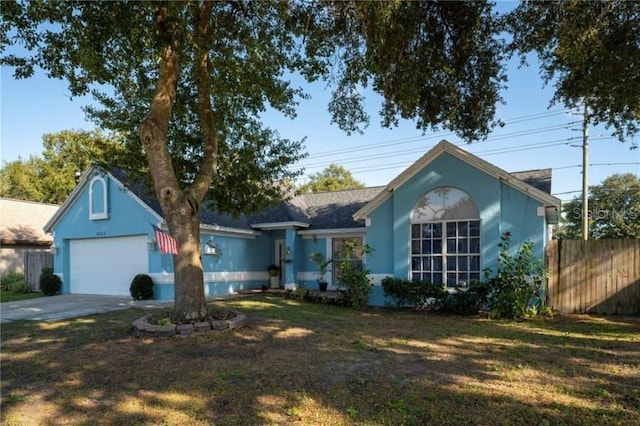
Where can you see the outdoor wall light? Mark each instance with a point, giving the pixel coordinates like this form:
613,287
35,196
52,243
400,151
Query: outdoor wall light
211,249
151,245
54,248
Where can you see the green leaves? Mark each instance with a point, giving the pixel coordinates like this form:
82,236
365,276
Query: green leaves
51,178
333,178
518,283
440,63
591,51
613,210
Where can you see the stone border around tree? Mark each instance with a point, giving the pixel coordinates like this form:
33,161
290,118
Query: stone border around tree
143,328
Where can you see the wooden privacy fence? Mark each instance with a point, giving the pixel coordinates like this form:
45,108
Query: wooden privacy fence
594,277
34,261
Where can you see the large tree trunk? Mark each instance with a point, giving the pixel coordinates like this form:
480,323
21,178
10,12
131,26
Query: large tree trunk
190,303
180,207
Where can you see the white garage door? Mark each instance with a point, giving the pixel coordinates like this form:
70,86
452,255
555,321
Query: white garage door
107,265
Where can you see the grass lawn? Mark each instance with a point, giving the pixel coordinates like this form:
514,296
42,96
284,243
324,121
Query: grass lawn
298,363
12,296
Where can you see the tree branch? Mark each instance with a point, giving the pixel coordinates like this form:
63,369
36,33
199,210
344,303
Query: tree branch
155,126
198,189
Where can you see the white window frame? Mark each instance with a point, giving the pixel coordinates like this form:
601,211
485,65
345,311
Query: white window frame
444,219
329,249
444,251
98,215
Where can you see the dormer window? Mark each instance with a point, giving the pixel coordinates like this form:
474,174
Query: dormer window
98,199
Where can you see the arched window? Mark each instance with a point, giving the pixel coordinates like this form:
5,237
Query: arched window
98,208
445,238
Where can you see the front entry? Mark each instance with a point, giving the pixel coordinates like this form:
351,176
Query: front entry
276,282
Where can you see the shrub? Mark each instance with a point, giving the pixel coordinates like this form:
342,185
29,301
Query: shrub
426,294
518,284
50,284
420,294
14,281
355,280
399,290
141,287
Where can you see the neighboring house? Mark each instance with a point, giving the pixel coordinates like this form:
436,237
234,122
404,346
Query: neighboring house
440,220
21,224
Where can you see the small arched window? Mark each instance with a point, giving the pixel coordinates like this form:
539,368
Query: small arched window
445,203
445,238
98,207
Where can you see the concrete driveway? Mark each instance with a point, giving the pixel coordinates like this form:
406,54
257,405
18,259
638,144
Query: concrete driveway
66,306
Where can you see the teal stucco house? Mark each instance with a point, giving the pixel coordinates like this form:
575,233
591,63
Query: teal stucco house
440,220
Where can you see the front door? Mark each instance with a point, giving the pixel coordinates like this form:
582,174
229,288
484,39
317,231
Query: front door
279,261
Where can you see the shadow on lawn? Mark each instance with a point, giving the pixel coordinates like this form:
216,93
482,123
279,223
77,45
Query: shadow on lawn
321,364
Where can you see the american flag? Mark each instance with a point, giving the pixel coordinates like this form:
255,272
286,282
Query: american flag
165,241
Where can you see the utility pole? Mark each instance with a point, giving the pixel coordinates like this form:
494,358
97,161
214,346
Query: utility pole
585,166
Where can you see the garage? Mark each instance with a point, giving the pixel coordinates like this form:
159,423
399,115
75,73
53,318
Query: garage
107,265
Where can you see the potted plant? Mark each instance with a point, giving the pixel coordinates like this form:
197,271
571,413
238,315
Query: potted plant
323,265
273,270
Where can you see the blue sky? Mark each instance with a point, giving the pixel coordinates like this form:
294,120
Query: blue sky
535,135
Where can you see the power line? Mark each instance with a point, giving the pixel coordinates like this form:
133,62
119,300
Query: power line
386,154
486,153
400,141
596,164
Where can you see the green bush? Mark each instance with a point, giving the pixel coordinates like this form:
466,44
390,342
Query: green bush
430,296
516,289
141,287
419,294
50,284
352,278
464,300
14,281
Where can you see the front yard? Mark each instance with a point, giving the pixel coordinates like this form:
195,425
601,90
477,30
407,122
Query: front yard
298,363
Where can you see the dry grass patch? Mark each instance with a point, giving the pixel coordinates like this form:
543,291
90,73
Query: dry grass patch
297,363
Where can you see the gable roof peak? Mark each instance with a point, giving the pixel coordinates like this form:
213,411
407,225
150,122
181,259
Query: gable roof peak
462,155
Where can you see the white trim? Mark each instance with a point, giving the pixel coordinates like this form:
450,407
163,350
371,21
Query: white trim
223,230
162,277
142,204
467,157
307,276
225,276
338,232
104,214
84,182
239,276
280,225
376,279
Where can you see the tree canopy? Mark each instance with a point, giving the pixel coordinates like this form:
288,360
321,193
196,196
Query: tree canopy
591,49
52,177
22,180
186,83
332,178
613,209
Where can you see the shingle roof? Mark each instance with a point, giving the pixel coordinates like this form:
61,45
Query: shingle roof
335,209
540,178
323,210
21,222
144,191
